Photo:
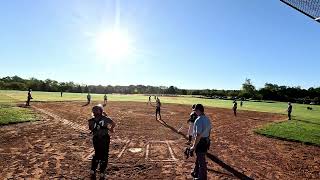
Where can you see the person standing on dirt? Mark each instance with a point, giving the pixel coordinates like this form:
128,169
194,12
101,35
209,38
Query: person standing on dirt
201,144
29,97
88,98
149,102
105,99
235,107
158,108
100,125
289,110
191,120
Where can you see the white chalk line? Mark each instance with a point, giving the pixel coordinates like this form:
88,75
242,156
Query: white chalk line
147,151
123,149
82,128
171,159
64,121
171,151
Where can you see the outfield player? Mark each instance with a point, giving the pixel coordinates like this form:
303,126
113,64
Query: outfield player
88,98
193,117
99,125
241,103
158,108
105,99
29,97
235,107
289,110
201,131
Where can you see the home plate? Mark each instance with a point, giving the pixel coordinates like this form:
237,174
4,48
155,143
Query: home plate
135,150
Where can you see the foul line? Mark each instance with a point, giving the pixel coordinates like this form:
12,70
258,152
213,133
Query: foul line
64,121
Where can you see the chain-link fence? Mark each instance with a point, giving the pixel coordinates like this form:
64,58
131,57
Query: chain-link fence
310,8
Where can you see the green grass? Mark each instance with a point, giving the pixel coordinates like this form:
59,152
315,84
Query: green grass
10,113
294,130
304,127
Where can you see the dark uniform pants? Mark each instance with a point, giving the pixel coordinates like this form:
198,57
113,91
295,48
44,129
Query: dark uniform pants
28,101
235,111
101,149
158,112
289,115
200,169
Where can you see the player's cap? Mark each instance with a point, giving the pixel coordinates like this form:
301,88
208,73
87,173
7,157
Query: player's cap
199,107
193,106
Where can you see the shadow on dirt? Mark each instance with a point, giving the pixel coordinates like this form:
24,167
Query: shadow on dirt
211,156
172,128
87,104
227,167
219,172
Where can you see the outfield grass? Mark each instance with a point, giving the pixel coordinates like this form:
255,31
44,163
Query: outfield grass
295,130
10,113
304,127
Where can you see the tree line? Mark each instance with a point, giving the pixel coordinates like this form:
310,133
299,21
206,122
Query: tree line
272,92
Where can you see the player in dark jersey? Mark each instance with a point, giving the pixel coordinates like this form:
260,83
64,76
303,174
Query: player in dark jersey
235,107
29,97
88,98
158,108
191,120
100,125
105,99
289,110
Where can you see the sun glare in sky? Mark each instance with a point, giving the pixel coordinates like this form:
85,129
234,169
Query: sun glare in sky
113,45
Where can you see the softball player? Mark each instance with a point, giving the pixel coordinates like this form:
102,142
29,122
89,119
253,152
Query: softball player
235,107
99,126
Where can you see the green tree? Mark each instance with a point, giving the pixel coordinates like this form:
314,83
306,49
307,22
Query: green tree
171,90
248,90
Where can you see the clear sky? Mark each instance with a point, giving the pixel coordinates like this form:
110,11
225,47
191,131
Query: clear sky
186,43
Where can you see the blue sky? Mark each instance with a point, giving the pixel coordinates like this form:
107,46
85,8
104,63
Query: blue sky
186,43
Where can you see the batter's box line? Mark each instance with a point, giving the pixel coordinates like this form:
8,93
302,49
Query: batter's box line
171,159
123,149
89,156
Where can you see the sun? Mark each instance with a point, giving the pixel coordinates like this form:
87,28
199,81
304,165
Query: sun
113,44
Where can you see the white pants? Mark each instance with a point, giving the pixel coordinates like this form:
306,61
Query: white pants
190,131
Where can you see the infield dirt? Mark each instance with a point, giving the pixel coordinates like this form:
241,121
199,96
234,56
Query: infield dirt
59,146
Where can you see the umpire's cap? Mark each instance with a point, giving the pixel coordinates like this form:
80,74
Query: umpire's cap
199,107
